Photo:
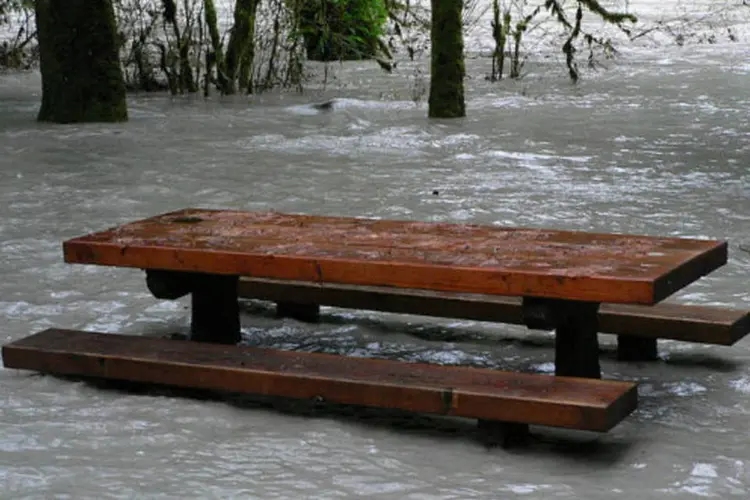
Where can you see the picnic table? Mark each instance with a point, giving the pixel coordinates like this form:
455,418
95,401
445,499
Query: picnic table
561,278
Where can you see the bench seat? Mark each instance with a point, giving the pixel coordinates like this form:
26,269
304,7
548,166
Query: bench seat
710,325
488,395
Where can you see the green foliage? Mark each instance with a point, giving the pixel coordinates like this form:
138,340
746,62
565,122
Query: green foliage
342,29
367,17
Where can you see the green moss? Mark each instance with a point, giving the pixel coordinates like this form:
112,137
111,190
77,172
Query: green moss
609,16
81,76
447,74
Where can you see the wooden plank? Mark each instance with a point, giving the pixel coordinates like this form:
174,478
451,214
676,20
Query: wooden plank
710,325
594,405
445,257
688,323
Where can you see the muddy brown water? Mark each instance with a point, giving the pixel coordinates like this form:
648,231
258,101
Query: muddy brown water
656,144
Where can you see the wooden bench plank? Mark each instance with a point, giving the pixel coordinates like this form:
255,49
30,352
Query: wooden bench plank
466,258
595,405
688,323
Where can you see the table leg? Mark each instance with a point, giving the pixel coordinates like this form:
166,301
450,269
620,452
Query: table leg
503,434
636,349
215,310
577,342
299,311
576,326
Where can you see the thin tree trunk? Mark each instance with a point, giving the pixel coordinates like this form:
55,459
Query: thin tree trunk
447,75
216,56
186,82
248,56
268,82
82,79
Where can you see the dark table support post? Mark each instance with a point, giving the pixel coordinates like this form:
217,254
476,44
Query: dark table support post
215,310
576,326
298,311
504,434
636,349
577,342
169,285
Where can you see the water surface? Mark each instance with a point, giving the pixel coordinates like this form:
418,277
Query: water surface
655,144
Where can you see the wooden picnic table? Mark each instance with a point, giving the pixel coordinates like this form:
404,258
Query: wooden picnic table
563,276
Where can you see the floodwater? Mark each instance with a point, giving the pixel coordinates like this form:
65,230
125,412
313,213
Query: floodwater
656,143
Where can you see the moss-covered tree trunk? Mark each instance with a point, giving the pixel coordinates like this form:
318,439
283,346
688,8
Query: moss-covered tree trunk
81,75
214,57
245,77
240,41
447,72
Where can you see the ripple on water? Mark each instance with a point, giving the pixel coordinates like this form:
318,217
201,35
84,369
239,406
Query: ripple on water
653,146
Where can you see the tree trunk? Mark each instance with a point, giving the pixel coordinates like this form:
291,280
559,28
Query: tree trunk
447,74
81,75
248,56
214,57
240,41
182,40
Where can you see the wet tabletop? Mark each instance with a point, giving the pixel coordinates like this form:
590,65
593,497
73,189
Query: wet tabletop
441,256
